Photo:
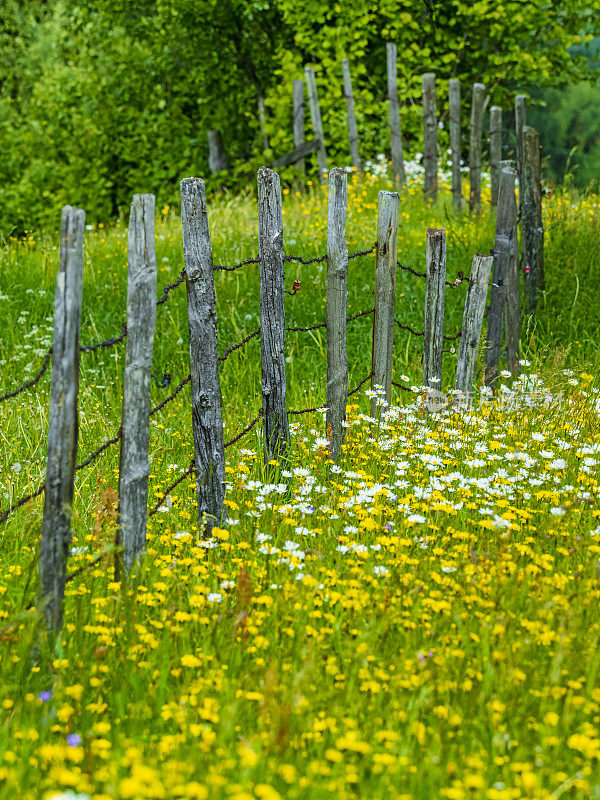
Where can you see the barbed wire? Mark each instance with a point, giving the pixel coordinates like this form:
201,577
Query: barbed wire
89,348
170,286
217,267
31,382
237,346
422,333
404,388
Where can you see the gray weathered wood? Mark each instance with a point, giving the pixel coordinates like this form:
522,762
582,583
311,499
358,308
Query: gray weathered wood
352,129
475,148
315,114
262,119
430,149
472,322
63,420
495,150
207,414
512,303
398,173
454,104
298,101
337,305
504,251
385,295
297,155
520,123
272,315
531,219
134,465
433,336
217,155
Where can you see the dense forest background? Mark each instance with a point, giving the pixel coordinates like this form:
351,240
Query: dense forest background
103,98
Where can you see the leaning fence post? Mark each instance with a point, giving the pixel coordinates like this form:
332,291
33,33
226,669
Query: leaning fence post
217,156
272,314
207,416
398,173
531,219
385,295
298,98
134,466
520,123
352,129
430,154
475,148
337,305
495,150
472,322
63,420
433,335
315,113
454,104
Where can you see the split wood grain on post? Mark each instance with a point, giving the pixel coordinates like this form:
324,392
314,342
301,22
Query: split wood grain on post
472,322
430,150
531,219
352,129
475,147
495,150
298,101
454,109
315,113
398,172
433,336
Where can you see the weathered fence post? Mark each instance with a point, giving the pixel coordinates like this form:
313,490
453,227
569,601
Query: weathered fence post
504,251
398,173
433,336
430,151
337,304
495,150
272,314
217,156
520,123
299,119
315,114
134,466
63,420
207,415
352,129
262,118
531,219
475,148
454,105
472,322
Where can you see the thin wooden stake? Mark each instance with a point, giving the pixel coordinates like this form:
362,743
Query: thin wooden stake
430,150
495,150
475,148
385,296
315,114
472,322
262,118
520,123
454,102
272,315
531,219
398,173
63,420
217,156
207,415
337,305
433,337
352,129
298,99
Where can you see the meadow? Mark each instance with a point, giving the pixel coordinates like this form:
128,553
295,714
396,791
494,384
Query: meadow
419,621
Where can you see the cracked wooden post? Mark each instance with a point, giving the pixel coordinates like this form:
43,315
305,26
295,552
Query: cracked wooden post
385,295
472,322
217,155
454,104
398,173
495,151
272,315
315,113
298,100
262,118
134,465
512,303
63,420
475,148
352,129
207,415
520,123
430,149
531,219
433,329
337,308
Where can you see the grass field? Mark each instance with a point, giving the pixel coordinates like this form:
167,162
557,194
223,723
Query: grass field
420,621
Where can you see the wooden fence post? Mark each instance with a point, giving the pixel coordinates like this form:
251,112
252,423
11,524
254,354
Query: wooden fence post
262,118
472,322
398,173
495,150
531,219
315,113
475,148
520,123
272,314
454,104
337,306
207,415
504,251
134,466
63,420
433,336
430,150
385,295
352,129
298,98
217,156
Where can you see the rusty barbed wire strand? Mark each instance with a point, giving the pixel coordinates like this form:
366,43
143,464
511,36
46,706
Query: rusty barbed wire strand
217,267
237,346
404,388
243,432
422,333
360,385
89,348
170,488
31,382
172,396
170,286
104,446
